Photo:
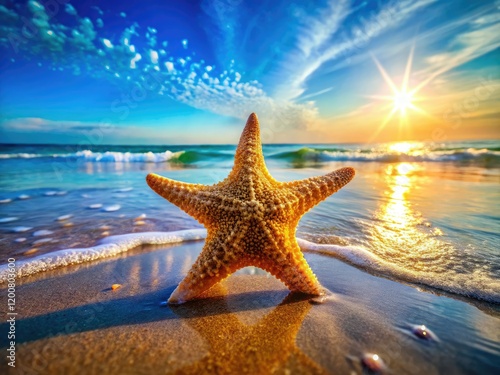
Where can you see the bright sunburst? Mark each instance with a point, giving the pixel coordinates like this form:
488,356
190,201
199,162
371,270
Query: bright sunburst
402,98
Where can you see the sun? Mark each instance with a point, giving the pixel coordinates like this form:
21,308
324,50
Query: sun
402,98
402,101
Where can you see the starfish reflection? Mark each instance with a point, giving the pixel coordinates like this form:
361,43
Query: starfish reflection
235,347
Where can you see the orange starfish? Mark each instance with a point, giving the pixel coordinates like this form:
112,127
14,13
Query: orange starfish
250,218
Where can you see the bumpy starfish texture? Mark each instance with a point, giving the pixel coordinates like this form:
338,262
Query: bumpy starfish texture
250,218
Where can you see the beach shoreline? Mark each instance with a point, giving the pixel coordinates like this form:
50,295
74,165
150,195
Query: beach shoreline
70,321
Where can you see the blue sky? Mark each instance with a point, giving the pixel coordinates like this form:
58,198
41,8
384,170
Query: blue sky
182,72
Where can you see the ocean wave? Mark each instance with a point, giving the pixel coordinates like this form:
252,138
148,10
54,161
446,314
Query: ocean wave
302,155
308,154
471,285
108,156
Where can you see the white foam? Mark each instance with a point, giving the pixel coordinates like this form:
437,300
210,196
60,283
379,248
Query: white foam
96,205
8,219
127,157
108,247
471,285
64,217
474,284
124,190
21,229
112,208
20,239
23,197
43,232
7,200
50,193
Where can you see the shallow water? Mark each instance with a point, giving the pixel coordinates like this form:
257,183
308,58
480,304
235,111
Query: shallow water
428,222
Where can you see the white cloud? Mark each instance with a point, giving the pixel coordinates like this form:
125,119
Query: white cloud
323,49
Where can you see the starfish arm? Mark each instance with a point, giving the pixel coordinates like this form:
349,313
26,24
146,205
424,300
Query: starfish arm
312,191
291,268
191,198
216,261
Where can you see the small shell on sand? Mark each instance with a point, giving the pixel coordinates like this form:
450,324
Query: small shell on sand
42,232
140,217
139,222
104,234
64,217
112,208
67,224
30,251
115,286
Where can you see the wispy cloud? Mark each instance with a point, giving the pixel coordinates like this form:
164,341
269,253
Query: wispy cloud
355,38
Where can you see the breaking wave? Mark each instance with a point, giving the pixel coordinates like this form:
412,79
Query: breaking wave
277,153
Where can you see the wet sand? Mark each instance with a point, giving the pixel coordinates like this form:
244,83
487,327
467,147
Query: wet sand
71,322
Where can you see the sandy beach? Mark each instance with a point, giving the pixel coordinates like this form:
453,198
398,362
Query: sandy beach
72,322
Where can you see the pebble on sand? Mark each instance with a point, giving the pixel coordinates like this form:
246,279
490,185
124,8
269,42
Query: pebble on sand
373,363
30,251
139,222
43,232
64,217
424,333
115,286
43,240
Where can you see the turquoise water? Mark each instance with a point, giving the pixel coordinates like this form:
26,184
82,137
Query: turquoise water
428,213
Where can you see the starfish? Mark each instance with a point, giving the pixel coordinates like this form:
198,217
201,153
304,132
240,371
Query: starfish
250,218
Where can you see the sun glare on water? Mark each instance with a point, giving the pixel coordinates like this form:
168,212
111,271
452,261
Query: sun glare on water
403,147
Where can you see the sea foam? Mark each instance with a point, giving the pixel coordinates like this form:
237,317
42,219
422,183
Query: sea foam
474,285
107,247
470,285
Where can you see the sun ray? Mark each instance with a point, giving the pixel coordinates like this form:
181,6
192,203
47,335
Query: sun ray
386,77
403,99
404,87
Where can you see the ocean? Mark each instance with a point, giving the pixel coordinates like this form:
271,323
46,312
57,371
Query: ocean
419,213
